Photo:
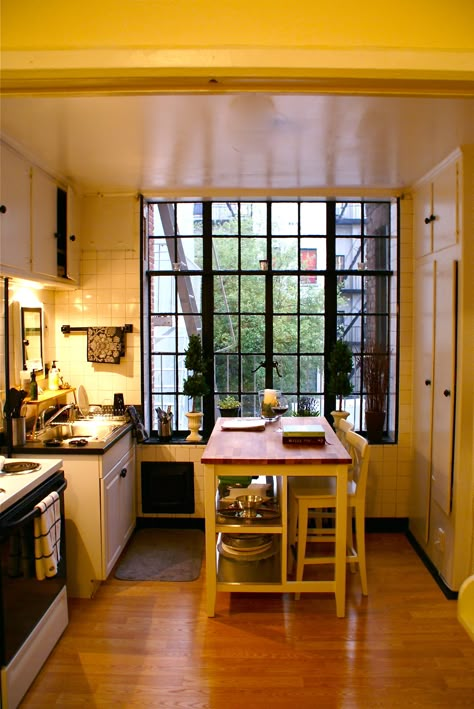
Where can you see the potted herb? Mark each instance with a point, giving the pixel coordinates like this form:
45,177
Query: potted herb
375,374
229,406
340,366
195,385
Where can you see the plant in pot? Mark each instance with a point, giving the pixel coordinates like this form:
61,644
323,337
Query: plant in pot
228,406
375,374
340,366
195,385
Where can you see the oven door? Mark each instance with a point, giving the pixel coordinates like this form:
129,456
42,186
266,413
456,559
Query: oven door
23,599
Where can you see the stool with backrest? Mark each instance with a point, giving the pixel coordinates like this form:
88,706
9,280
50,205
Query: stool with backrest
309,497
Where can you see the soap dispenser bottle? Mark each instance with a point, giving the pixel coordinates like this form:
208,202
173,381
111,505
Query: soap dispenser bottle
33,386
53,377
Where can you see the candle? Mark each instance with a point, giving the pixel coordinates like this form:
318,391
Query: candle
269,400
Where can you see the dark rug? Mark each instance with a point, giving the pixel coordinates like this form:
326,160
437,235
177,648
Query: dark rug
162,555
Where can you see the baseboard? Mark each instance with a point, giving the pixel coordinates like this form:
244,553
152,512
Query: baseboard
386,524
171,522
448,592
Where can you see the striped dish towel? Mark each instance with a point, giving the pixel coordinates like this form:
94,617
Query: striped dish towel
47,530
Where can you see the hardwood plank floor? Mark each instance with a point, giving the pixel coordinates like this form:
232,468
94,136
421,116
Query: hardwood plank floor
150,644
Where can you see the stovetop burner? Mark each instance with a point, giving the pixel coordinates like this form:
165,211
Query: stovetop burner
23,466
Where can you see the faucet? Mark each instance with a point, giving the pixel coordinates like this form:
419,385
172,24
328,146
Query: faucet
43,415
67,407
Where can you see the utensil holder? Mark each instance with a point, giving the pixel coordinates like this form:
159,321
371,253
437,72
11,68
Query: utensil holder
19,431
164,430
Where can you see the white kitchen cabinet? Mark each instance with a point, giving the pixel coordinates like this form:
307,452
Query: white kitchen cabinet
73,230
118,513
33,245
44,224
100,514
443,474
437,209
15,254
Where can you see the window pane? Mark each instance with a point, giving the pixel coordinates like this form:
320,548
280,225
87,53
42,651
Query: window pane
284,218
252,251
189,219
312,333
312,295
312,254
253,376
377,254
159,257
226,333
253,218
225,254
287,365
348,218
253,333
189,293
349,254
285,333
285,294
313,218
312,374
252,294
226,373
162,294
159,214
377,218
284,254
376,294
164,373
225,218
226,293
163,329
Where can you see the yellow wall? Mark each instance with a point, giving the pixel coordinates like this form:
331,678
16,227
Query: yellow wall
55,24
422,40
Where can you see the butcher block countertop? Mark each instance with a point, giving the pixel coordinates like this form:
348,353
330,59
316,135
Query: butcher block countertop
249,447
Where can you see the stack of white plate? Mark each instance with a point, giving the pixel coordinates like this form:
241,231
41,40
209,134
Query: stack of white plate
246,547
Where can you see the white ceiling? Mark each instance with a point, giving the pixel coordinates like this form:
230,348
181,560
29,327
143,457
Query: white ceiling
201,145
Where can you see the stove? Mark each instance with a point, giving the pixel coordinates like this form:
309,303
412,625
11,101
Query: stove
20,476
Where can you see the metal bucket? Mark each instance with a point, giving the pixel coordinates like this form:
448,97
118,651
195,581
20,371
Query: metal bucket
164,430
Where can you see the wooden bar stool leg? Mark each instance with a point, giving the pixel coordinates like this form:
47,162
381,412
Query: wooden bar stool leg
360,541
301,545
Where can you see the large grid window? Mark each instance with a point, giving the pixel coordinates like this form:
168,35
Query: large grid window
269,287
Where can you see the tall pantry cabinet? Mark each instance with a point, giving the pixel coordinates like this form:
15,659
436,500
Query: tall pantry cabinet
442,500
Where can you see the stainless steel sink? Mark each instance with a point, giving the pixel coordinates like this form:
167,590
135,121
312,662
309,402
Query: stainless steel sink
93,429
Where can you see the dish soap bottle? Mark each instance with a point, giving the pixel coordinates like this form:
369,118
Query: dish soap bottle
53,377
33,386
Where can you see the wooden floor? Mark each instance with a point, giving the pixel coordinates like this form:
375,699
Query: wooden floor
151,644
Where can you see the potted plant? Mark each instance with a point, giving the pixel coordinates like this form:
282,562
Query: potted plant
195,385
229,406
375,375
340,366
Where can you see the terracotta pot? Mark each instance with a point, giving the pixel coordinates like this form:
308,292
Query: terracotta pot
374,422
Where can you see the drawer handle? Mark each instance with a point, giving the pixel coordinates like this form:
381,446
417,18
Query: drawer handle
446,392
123,472
3,209
429,219
428,382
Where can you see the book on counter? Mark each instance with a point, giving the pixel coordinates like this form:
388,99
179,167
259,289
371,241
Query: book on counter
309,434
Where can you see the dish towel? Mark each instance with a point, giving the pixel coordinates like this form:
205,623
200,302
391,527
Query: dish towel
105,344
47,530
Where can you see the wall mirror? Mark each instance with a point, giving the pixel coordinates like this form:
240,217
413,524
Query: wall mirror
32,338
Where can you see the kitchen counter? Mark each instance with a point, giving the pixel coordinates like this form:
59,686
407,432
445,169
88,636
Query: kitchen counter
37,447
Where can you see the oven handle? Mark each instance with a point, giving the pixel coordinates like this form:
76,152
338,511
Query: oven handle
29,515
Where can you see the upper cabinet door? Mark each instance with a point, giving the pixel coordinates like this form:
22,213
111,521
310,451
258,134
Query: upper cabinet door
422,211
45,219
15,219
446,207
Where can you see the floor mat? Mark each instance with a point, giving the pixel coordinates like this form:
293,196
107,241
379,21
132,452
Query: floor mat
162,555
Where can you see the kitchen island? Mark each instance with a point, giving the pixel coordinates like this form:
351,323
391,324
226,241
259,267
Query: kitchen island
263,453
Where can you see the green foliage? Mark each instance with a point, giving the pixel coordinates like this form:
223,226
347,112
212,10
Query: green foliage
340,370
307,406
228,402
195,384
376,367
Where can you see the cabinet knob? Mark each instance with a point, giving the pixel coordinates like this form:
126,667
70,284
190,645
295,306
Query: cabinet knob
123,472
3,209
446,392
428,382
429,219
72,237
